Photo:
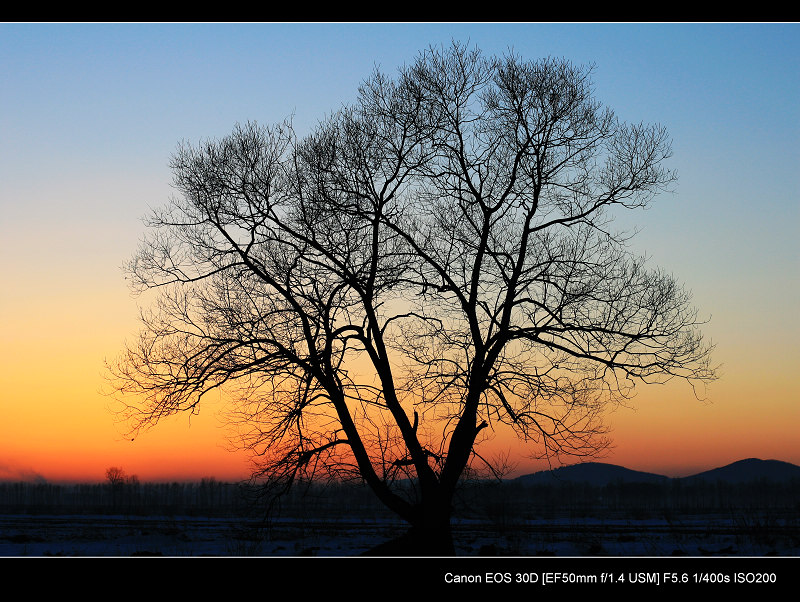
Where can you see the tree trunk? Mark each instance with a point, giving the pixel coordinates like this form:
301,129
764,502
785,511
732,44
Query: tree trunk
431,535
418,541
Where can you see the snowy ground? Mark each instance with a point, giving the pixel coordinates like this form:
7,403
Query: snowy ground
80,535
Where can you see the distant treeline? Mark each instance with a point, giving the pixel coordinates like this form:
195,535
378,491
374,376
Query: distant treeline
477,500
206,498
542,500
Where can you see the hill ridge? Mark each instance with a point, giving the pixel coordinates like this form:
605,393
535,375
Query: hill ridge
602,473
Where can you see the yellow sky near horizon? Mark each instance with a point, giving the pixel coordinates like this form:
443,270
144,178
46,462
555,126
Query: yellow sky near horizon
59,424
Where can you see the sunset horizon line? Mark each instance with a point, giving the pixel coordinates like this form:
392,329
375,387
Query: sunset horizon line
37,477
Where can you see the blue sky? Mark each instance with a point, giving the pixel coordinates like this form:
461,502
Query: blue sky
90,113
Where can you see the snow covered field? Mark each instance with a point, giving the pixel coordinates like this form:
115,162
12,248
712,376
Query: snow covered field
182,536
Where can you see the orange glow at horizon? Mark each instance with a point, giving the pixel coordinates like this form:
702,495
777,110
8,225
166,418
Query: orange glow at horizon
56,424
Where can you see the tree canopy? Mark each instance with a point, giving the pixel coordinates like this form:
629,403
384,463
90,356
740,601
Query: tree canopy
430,262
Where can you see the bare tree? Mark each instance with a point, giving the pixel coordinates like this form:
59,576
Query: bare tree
116,482
430,263
115,476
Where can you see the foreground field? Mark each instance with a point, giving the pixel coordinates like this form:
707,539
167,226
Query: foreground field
102,535
511,519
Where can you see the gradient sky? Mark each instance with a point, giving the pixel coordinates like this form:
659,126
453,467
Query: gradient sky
90,114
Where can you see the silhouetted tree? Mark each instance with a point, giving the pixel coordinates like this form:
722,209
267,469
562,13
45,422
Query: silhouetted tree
115,476
116,481
429,263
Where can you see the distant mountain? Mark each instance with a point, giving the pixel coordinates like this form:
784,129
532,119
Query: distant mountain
599,474
592,473
751,469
